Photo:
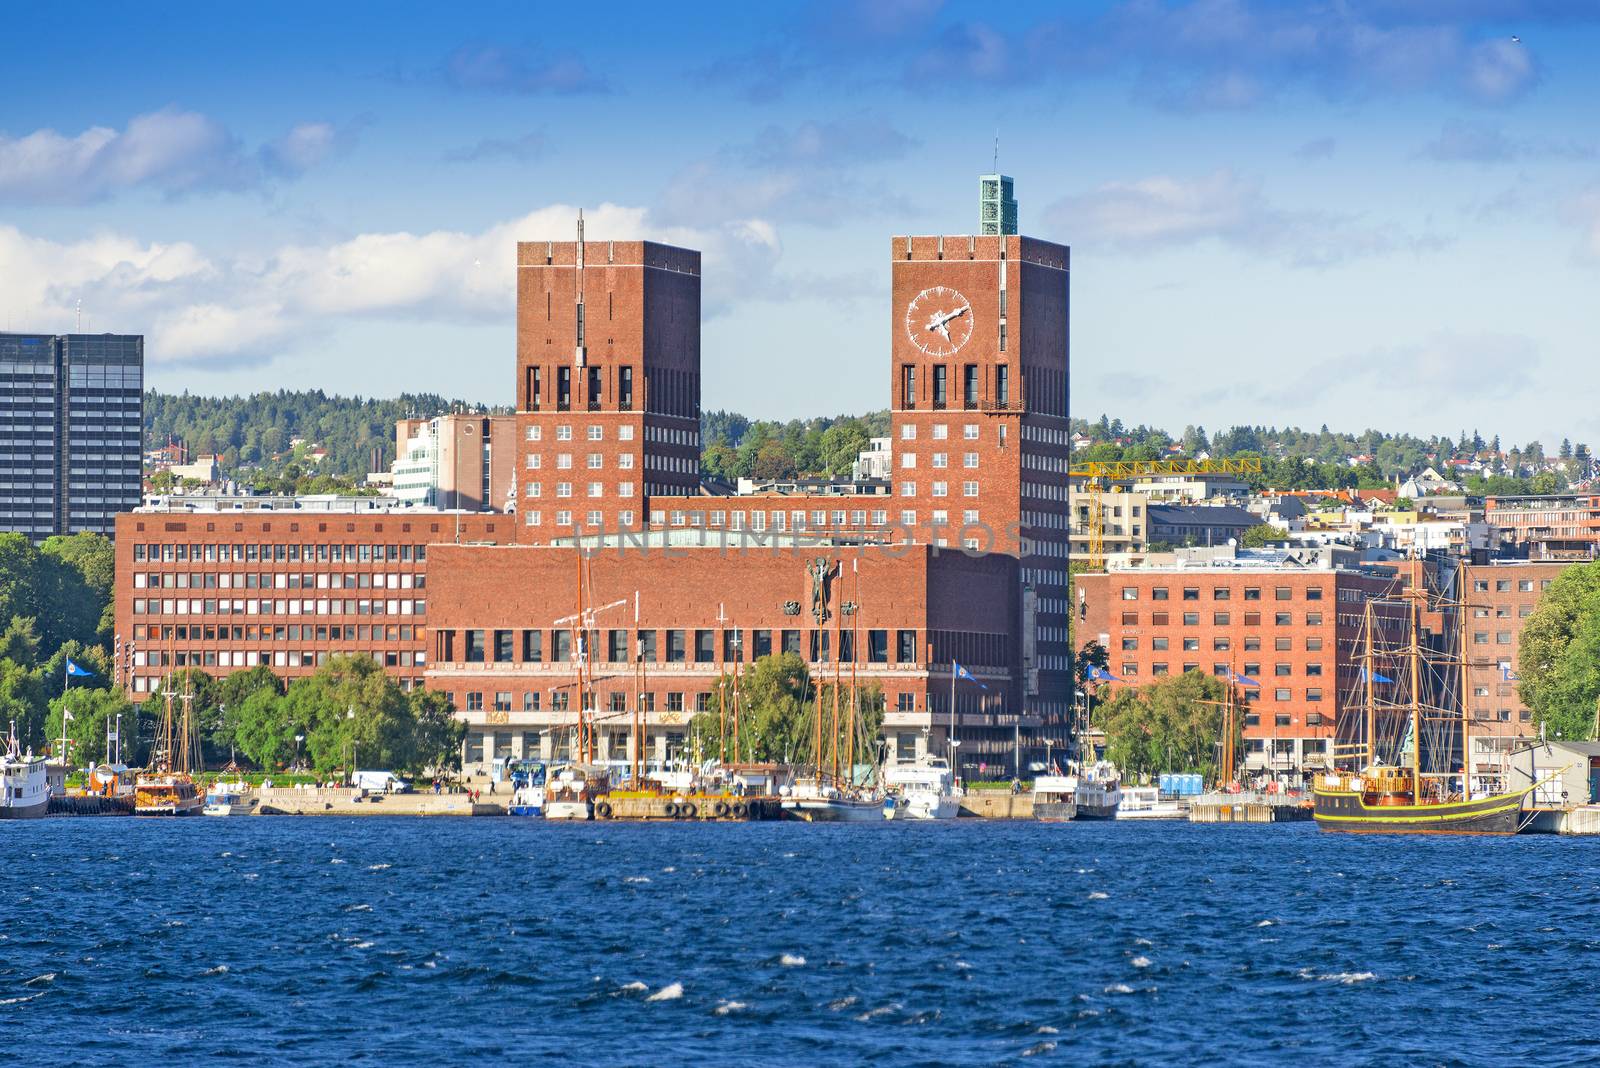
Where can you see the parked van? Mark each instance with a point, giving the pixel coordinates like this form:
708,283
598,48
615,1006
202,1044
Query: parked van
380,782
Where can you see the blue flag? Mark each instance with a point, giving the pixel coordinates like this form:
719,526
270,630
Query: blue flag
1361,676
76,672
1243,680
963,673
1509,676
1100,674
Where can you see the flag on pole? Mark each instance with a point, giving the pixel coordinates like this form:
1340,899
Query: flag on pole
66,714
963,673
1100,674
1507,675
1361,676
76,672
1243,680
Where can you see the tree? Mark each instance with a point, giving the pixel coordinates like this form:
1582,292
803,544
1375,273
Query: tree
775,712
1172,724
86,565
94,713
1260,536
1559,655
438,733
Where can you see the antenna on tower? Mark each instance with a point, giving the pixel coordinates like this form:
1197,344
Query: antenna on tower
997,150
78,319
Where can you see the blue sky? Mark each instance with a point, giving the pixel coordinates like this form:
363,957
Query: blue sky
1362,213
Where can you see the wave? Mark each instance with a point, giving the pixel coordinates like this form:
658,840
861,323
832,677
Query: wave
729,1006
670,992
792,960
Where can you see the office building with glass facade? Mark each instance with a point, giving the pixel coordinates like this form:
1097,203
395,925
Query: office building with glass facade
71,431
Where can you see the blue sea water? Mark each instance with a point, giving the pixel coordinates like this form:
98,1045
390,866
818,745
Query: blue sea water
381,940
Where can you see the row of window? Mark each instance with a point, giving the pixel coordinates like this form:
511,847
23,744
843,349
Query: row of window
251,580
908,460
596,461
1222,619
939,489
247,658
292,632
939,431
1504,585
1222,644
321,552
291,607
1222,593
674,646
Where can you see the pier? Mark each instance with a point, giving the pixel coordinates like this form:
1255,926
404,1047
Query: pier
1247,808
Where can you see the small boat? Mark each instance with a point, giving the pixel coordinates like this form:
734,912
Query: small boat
925,790
1099,793
1055,798
24,787
228,799
1386,800
1146,803
573,792
817,802
527,788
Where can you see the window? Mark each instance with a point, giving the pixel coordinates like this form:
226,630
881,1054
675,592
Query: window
1283,619
969,459
1159,593
908,460
1220,644
908,489
1130,619
1283,644
1313,645
1221,593
1313,619
1130,644
1283,593
1158,669
1191,593
1129,669
908,432
676,653
1191,619
1131,593
1159,644
1281,695
1252,593
1281,719
905,646
1282,670
970,432
1220,619
940,489
1191,645
1159,619
1315,718
705,650
1313,593
1314,670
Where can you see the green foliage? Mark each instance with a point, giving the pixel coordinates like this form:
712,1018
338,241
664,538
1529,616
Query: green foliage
349,710
94,711
1559,655
254,433
1260,536
1172,724
736,447
778,700
82,578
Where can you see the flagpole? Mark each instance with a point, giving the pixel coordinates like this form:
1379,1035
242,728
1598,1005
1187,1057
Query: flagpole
955,770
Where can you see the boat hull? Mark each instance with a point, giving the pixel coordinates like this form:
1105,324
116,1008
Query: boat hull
834,811
1344,810
193,808
927,808
26,812
569,810
1163,811
1097,810
1055,811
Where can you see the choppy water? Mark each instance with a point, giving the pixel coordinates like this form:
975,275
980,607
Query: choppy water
378,940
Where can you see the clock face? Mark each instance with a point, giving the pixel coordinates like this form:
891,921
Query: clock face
939,321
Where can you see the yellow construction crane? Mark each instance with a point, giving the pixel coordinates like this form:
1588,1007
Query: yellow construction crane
1097,477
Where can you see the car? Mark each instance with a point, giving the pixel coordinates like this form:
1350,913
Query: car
385,782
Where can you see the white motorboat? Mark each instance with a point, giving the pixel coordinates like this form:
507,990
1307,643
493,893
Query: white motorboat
1099,792
1146,803
1055,798
925,790
24,787
227,799
817,802
528,779
572,792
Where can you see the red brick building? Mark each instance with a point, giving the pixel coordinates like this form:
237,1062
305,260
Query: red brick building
210,585
1293,631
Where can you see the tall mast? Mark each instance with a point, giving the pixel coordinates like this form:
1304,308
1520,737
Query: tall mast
855,657
838,632
1461,641
1372,709
722,688
1416,706
638,696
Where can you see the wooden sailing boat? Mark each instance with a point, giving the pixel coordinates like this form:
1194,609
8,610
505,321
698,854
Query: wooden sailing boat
1406,737
168,787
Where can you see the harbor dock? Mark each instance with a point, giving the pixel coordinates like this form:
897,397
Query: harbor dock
1247,808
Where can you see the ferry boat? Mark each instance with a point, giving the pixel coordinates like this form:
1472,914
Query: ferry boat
528,779
817,802
1099,792
1055,798
227,799
24,788
1146,803
925,790
573,792
1412,778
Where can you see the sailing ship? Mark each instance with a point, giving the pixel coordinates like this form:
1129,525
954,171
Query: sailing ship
168,789
1404,724
24,790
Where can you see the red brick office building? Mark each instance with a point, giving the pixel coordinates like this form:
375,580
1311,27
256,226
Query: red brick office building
1294,631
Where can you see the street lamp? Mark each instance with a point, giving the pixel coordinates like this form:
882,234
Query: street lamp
350,714
297,740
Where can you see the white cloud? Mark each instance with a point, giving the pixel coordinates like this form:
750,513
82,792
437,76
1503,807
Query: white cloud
248,306
1223,206
171,151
